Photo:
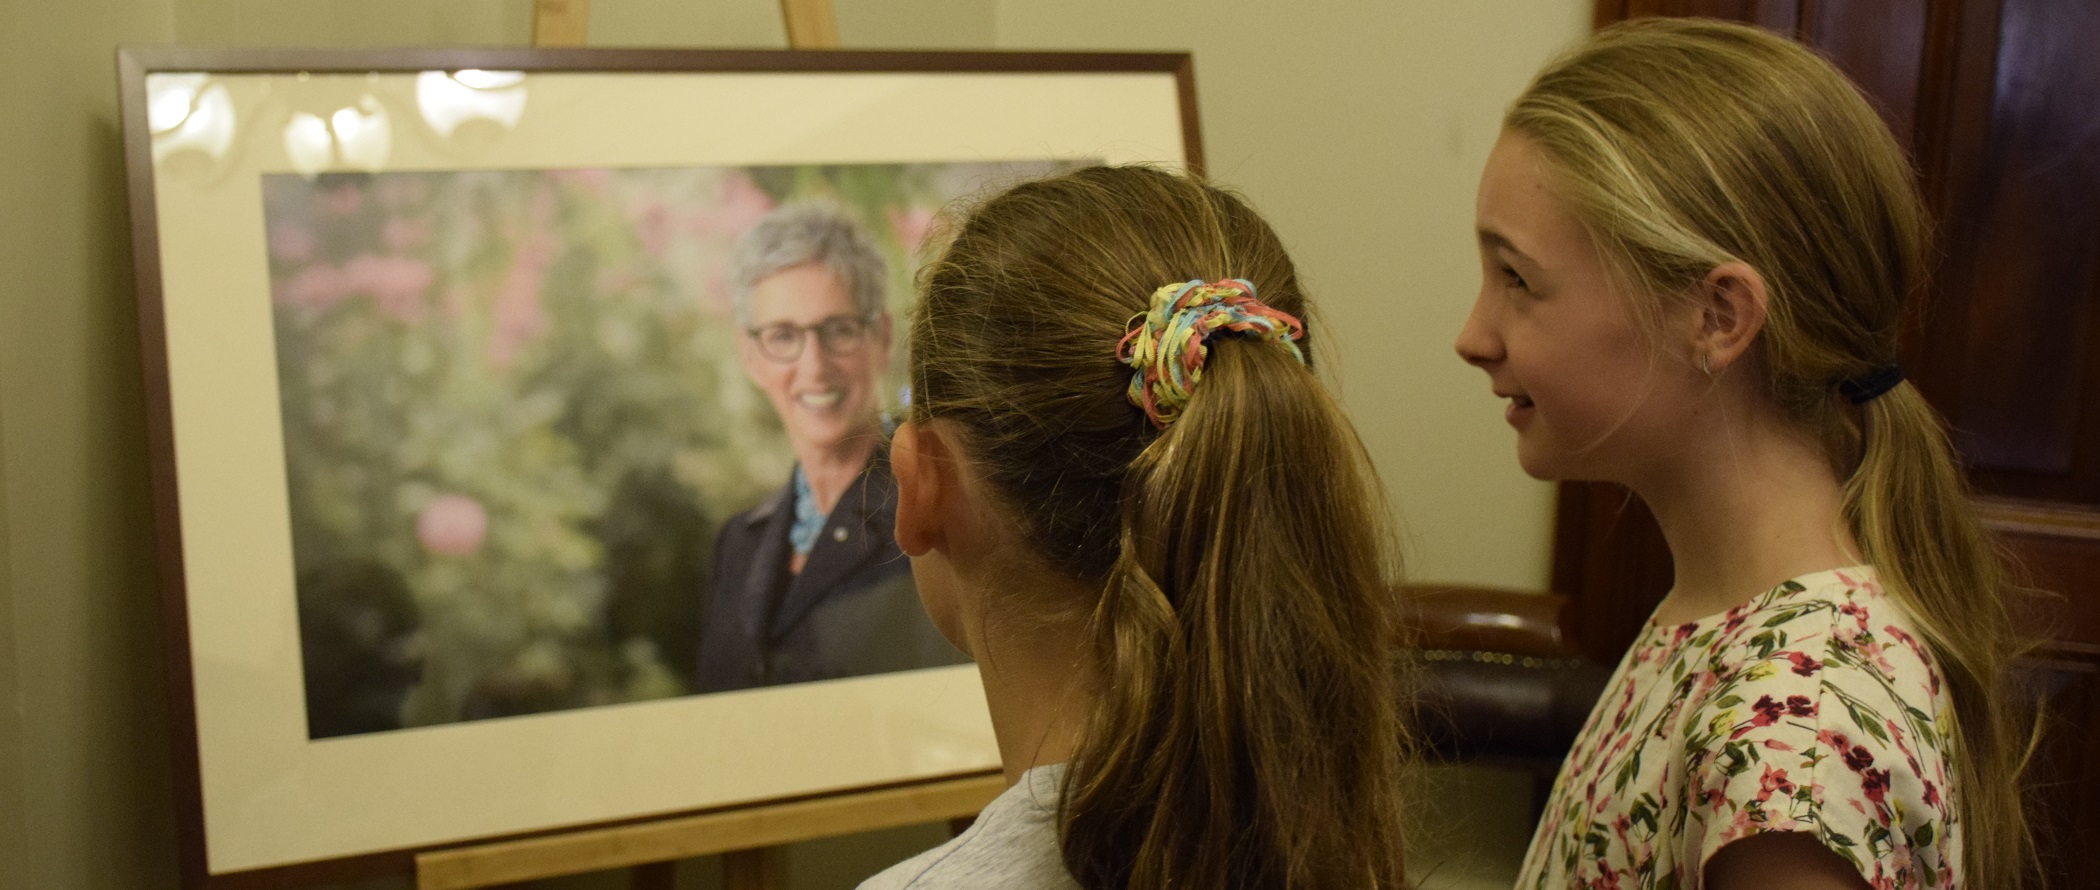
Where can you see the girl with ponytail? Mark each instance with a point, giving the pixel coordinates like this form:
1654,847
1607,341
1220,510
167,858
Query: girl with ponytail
1697,240
1125,493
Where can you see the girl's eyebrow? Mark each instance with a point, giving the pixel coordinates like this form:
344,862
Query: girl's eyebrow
1496,240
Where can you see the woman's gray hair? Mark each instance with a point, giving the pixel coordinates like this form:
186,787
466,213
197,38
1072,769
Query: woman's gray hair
810,232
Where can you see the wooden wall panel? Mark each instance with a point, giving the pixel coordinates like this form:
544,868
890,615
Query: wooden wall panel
2063,811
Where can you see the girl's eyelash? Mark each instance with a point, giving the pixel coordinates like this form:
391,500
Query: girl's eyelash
1511,276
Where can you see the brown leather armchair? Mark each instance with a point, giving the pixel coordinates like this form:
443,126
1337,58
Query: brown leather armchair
1498,682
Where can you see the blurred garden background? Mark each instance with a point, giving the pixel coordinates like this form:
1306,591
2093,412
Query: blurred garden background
513,417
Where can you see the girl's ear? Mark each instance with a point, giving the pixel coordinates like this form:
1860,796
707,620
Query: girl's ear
1732,302
925,481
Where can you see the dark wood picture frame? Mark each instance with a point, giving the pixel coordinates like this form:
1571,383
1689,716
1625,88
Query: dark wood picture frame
135,65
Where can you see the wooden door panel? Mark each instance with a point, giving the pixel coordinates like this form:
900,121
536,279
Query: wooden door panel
1610,557
1778,15
1880,45
2023,237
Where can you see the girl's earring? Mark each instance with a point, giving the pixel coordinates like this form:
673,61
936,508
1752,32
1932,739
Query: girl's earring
1706,364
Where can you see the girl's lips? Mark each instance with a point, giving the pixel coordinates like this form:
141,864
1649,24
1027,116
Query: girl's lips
1519,411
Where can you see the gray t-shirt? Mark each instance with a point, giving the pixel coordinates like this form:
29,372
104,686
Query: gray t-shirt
1013,843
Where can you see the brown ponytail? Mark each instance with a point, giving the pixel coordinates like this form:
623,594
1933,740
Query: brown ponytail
1245,732
1907,506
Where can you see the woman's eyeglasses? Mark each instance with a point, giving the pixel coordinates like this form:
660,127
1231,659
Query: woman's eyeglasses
838,336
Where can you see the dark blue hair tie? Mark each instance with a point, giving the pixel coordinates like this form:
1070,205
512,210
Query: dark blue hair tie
1866,387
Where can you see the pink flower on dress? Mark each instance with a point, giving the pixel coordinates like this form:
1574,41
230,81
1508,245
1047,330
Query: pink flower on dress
1769,712
1858,758
1875,784
1803,664
1774,780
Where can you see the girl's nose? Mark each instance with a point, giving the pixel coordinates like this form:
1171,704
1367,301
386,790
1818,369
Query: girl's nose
1478,342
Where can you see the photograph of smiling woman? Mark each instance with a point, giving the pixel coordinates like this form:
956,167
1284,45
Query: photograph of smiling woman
809,584
537,422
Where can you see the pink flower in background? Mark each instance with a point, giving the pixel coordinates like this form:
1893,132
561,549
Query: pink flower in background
519,318
596,180
402,233
456,301
397,284
315,287
452,525
292,243
345,200
911,225
616,282
395,191
653,227
743,204
714,294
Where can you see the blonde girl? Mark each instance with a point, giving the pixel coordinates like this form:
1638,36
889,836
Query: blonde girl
1697,239
1126,495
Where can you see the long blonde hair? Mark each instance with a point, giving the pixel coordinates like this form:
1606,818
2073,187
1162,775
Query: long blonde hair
1246,731
1683,144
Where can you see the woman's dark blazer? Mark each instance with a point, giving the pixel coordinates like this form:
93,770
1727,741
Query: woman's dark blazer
851,611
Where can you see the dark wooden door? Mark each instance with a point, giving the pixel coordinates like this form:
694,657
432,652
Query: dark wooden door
1999,102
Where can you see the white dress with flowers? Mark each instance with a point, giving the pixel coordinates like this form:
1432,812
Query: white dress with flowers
1813,708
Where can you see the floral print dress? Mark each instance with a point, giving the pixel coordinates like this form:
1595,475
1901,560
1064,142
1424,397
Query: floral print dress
1814,707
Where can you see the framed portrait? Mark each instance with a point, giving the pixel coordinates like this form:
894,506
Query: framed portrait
518,423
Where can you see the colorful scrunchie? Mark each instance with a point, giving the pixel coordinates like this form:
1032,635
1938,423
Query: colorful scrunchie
1167,349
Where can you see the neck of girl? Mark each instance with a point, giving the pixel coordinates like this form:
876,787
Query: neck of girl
1743,510
831,469
1037,678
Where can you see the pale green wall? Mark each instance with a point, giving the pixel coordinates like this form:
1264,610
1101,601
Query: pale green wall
1358,126
83,727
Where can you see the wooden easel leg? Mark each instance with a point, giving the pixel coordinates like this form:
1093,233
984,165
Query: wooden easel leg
811,24
560,22
654,876
762,869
